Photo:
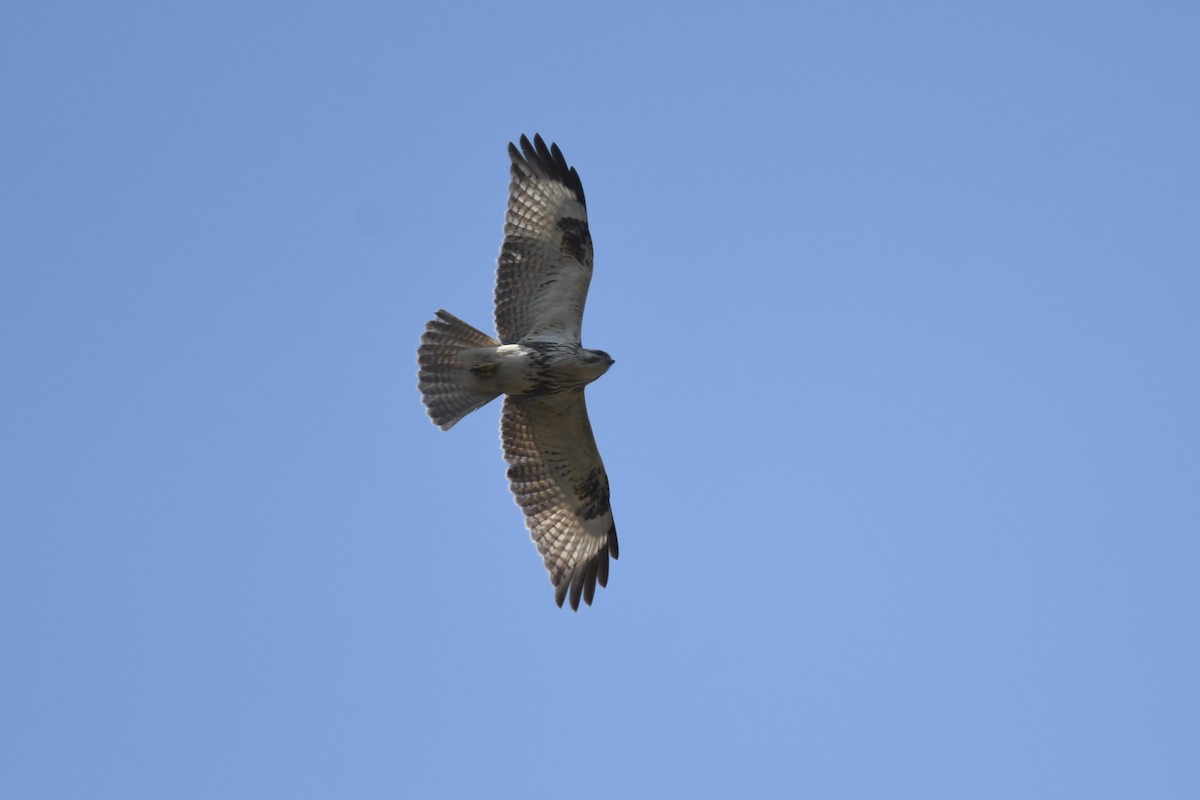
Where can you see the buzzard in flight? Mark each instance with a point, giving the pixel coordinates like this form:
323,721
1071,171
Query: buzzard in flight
539,365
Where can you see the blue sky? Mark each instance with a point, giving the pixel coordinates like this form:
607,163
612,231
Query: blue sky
902,432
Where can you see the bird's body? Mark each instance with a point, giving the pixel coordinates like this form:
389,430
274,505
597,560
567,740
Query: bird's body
539,364
533,369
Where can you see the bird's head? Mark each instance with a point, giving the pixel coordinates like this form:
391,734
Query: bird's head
597,362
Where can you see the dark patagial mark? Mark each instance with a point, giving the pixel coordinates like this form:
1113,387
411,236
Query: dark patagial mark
575,239
593,491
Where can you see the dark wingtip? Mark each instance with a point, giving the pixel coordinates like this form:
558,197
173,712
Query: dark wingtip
613,547
539,144
546,162
581,583
577,581
589,579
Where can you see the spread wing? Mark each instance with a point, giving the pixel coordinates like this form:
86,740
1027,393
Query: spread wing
558,480
545,262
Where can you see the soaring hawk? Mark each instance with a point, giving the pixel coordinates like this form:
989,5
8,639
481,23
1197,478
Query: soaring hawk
538,363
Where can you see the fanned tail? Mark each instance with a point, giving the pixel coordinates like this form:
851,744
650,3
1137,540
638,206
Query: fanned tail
445,383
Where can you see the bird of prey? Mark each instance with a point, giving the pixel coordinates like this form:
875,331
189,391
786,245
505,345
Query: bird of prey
539,365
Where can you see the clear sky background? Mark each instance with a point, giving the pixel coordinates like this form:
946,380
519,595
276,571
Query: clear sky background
902,432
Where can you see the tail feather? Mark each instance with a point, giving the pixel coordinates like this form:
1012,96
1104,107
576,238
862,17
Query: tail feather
444,382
